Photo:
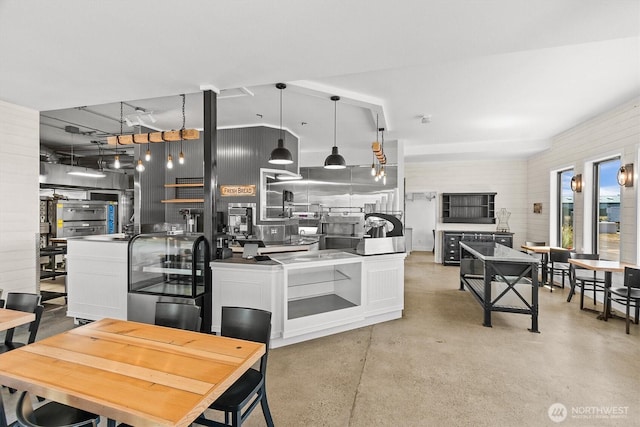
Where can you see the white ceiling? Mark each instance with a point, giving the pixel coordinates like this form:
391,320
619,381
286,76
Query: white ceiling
497,77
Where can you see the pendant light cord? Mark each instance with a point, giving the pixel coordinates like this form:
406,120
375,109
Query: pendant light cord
121,115
335,121
183,119
281,114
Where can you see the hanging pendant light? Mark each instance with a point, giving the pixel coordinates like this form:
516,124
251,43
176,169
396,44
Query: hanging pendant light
140,166
280,155
373,161
181,155
116,158
373,167
147,155
335,160
169,162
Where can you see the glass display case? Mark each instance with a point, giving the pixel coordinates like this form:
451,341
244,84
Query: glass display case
168,268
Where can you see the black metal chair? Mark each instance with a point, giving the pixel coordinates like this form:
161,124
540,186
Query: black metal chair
52,414
249,390
558,263
178,315
584,279
629,294
26,302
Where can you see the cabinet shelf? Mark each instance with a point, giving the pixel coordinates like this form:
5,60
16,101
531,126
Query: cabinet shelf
182,201
190,184
321,276
316,305
169,270
473,208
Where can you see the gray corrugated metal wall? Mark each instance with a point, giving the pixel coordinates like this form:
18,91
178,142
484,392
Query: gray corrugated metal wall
241,154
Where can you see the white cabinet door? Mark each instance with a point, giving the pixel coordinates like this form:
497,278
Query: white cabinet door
384,286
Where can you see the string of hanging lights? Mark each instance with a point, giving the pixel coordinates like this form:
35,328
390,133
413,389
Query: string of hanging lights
377,170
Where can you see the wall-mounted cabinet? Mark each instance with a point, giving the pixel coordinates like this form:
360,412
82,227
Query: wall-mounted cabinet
472,208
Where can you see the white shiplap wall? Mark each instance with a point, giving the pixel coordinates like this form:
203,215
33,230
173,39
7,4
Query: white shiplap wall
507,178
19,202
616,132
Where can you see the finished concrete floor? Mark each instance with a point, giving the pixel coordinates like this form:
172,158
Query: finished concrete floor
438,366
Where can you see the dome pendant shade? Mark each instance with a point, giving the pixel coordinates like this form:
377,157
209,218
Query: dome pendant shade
280,155
334,160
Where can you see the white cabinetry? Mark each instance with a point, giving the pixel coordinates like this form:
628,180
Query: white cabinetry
241,285
384,279
96,278
313,294
322,294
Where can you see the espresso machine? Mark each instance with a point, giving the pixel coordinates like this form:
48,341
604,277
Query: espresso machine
191,217
241,220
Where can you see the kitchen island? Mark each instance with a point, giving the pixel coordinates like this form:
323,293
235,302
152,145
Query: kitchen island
312,294
501,279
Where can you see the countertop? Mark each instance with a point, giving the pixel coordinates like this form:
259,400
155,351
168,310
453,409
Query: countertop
116,237
497,252
302,244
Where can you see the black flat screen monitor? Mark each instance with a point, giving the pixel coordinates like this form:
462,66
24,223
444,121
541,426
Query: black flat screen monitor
243,242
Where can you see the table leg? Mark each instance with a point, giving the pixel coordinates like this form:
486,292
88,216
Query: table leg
487,295
3,416
545,260
534,301
606,311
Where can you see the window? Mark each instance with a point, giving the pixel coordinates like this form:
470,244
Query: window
606,203
565,209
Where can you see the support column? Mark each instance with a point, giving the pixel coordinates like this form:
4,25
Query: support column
210,144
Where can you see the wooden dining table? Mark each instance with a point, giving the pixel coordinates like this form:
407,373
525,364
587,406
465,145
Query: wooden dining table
12,318
608,267
544,251
136,373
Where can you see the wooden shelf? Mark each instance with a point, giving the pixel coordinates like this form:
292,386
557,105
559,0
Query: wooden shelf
182,201
184,185
187,190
